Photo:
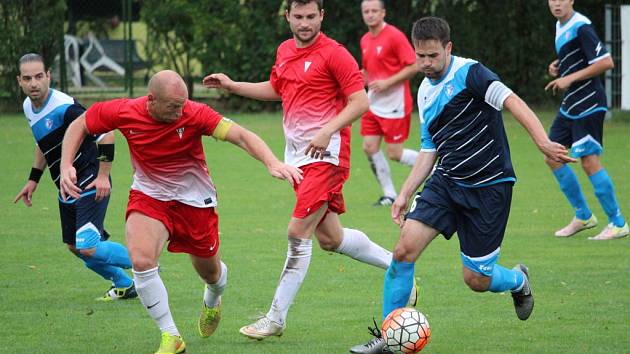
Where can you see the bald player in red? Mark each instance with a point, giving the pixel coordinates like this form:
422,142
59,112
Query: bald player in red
388,62
172,197
321,89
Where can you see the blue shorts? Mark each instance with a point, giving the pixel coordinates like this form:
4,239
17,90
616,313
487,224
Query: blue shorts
584,135
478,215
82,221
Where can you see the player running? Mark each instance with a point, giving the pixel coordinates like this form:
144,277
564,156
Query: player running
470,192
388,63
582,59
172,197
49,113
321,89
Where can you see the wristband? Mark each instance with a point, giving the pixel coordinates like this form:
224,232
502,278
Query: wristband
35,175
105,152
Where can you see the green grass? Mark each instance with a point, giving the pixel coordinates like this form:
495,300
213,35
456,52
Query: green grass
582,288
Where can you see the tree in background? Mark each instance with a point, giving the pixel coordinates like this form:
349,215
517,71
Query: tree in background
170,40
28,26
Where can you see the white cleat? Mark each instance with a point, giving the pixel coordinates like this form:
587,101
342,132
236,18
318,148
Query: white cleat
576,225
262,329
611,232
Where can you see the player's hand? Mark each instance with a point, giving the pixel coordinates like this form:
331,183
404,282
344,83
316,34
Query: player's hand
556,152
317,147
291,174
558,85
377,86
398,210
553,69
26,194
67,183
103,187
218,81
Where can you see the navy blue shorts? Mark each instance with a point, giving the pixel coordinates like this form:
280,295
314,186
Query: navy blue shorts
478,215
82,221
584,135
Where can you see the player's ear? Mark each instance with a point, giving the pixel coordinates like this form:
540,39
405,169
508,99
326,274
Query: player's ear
449,47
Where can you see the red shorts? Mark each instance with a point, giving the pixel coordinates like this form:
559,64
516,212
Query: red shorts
394,131
191,230
322,183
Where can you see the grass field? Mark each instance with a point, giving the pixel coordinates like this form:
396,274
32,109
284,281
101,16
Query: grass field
582,288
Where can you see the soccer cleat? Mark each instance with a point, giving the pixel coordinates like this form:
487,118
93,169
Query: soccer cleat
576,225
171,344
119,294
413,296
209,320
376,345
523,299
262,329
384,201
611,232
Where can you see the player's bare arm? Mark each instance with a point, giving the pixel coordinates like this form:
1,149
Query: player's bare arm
528,119
419,172
257,90
356,106
406,73
595,69
101,183
26,194
76,132
258,149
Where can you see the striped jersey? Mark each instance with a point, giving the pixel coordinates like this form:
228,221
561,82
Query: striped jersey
49,125
578,46
461,121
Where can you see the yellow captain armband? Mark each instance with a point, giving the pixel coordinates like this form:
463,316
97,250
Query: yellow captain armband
221,130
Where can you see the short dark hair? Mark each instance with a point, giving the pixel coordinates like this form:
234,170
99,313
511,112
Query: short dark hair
382,2
320,3
428,28
31,57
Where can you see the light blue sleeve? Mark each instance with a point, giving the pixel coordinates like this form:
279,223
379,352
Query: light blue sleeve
426,140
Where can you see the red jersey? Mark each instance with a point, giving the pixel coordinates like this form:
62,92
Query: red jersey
168,159
384,55
314,83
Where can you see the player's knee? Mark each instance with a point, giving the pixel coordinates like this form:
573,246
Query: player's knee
370,148
551,163
142,263
394,154
87,252
590,164
328,244
477,282
211,276
403,253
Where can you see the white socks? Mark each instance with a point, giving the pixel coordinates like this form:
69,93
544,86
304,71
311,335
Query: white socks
381,170
295,268
153,296
357,245
408,157
212,292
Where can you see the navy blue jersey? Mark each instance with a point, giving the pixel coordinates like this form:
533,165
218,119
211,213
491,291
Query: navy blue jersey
49,125
578,46
461,121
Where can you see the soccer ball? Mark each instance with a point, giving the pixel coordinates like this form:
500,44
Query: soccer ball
406,330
